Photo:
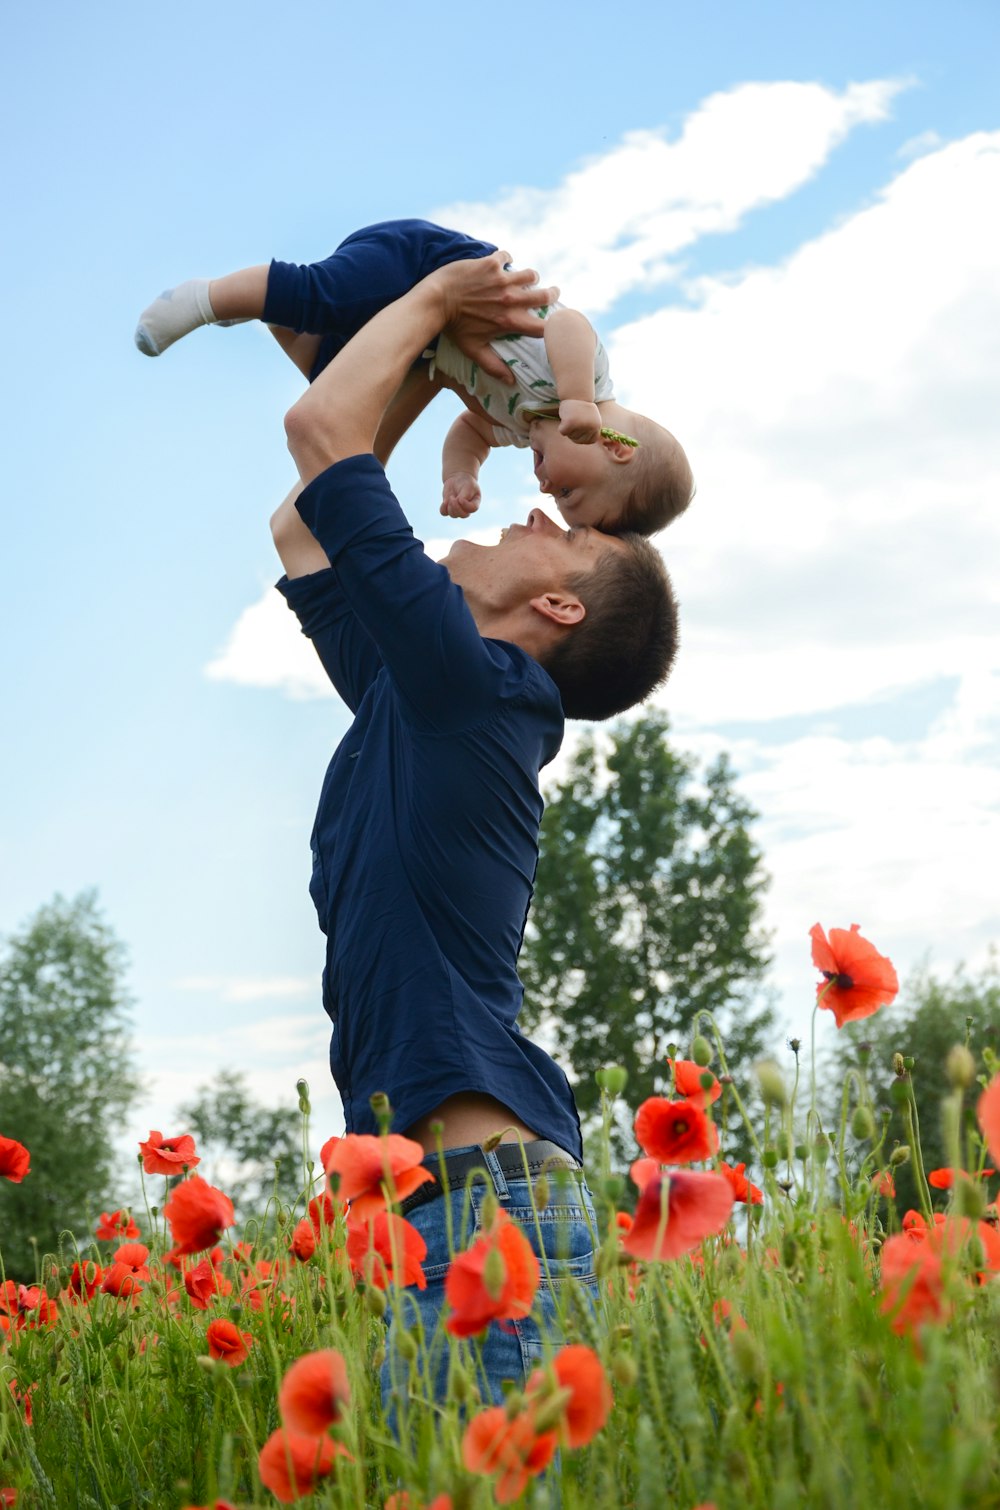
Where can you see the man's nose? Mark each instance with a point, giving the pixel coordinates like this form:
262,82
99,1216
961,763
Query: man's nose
542,523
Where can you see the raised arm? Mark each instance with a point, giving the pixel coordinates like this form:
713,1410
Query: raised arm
466,447
570,344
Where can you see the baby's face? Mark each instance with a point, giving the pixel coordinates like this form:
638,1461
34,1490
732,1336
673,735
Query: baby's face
582,481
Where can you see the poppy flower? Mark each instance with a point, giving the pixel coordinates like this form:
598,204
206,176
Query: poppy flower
116,1226
22,1399
676,1213
303,1243
883,1184
675,1132
361,1165
203,1282
314,1393
84,1279
988,1117
511,1451
687,1082
291,1466
912,1283
858,980
15,1160
322,1214
219,1505
28,1305
941,1179
403,1501
385,1250
162,1155
198,1215
227,1343
750,1195
579,1370
494,1280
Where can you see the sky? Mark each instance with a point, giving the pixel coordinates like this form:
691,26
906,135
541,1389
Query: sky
781,219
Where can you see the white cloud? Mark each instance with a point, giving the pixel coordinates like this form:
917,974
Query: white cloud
249,988
620,221
266,649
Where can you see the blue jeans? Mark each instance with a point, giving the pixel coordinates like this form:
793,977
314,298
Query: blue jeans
563,1236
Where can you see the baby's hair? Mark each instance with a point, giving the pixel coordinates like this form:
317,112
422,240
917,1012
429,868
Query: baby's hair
657,484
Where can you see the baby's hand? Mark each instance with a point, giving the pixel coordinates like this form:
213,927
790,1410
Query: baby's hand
580,420
461,496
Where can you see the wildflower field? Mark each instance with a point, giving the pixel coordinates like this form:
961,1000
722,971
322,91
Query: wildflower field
784,1339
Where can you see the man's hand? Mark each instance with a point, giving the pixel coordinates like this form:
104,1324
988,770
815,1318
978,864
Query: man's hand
580,420
485,297
461,496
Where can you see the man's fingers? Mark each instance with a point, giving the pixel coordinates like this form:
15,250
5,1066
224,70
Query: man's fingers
495,365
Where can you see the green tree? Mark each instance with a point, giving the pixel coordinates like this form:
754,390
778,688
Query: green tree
928,1018
66,1076
647,908
250,1150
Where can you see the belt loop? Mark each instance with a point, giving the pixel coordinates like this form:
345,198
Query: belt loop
497,1174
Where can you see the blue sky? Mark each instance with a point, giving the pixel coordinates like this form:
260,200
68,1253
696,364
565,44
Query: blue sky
779,218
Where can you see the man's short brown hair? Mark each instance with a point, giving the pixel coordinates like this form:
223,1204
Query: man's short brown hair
624,646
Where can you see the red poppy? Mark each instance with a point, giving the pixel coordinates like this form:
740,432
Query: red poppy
363,1168
227,1343
675,1132
322,1214
84,1279
387,1249
22,1399
303,1243
28,1305
678,1212
912,1283
579,1370
162,1155
116,1226
988,1116
858,980
15,1160
8,1496
198,1215
687,1082
941,1179
219,1505
509,1450
203,1282
495,1280
291,1466
644,1170
314,1393
883,1184
750,1195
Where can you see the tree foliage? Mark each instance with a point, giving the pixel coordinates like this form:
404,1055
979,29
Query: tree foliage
928,1018
252,1150
647,908
66,1076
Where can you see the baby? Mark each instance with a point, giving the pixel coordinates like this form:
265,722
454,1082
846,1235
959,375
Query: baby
602,464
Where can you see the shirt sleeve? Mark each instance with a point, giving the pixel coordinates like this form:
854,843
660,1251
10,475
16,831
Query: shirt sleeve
416,617
348,654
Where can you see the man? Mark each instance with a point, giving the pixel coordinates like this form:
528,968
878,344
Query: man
426,837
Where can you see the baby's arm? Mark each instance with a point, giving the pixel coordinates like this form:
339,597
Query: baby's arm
570,344
466,447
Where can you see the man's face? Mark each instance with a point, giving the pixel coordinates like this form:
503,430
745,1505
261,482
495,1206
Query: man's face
529,560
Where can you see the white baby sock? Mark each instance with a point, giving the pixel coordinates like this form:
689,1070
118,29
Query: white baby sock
174,314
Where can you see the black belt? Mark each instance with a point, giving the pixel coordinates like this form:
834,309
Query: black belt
537,1157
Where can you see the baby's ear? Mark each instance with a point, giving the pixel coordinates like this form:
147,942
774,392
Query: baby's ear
618,450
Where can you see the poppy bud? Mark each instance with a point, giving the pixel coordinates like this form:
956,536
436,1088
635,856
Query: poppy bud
489,1212
746,1354
207,1363
783,1145
379,1104
613,1078
541,1192
625,1369
908,1061
769,1158
898,1065
862,1123
701,1052
771,1082
375,1301
302,1086
406,1344
613,1187
900,1155
821,1147
494,1274
460,1386
900,1092
801,1152
960,1067
970,1200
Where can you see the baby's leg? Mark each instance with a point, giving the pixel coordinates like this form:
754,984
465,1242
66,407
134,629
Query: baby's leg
201,301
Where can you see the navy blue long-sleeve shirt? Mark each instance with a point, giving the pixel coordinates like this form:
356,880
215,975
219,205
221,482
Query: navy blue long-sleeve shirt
426,837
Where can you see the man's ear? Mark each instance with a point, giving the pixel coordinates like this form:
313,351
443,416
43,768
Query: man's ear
559,607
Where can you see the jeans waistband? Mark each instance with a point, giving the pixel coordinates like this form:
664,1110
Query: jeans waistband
512,1161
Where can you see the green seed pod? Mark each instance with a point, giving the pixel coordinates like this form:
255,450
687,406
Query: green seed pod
769,1158
821,1147
614,1187
862,1123
900,1155
908,1061
701,1051
613,1078
542,1192
302,1086
960,1067
782,1144
801,1152
970,1199
406,1346
375,1301
898,1065
625,1370
900,1092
